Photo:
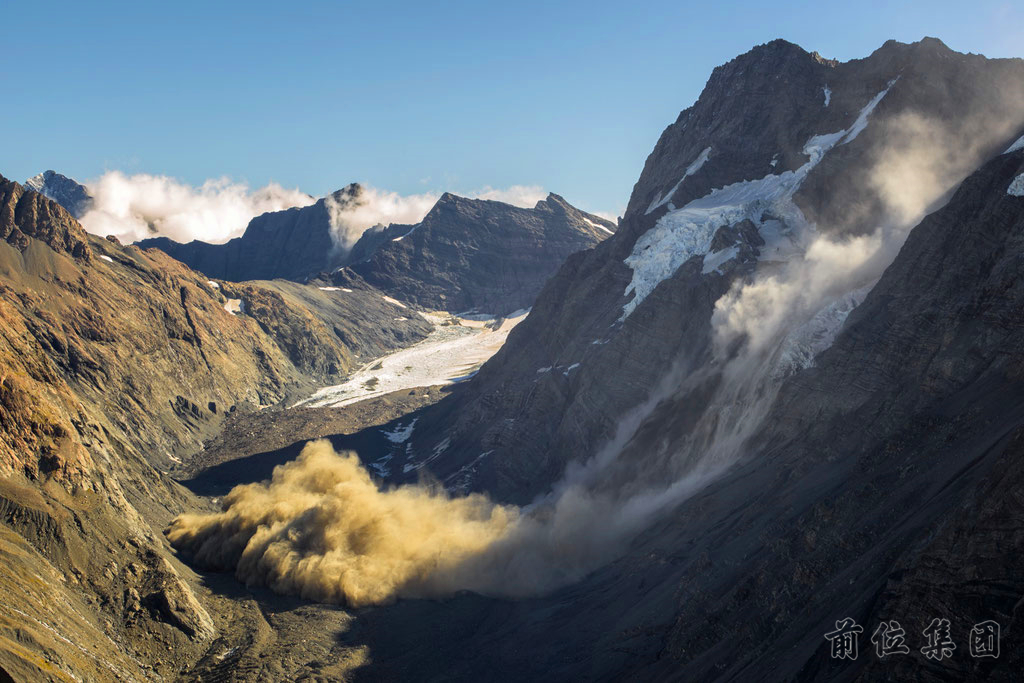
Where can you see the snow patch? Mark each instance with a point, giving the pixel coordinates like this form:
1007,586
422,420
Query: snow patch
411,231
106,258
400,434
570,369
234,306
543,370
213,284
395,302
438,450
862,121
332,289
690,170
597,225
1019,145
380,466
1016,188
713,262
828,95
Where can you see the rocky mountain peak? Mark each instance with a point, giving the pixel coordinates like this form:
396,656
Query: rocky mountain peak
28,214
351,195
67,192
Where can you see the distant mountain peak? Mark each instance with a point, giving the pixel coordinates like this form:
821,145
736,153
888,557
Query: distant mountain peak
65,191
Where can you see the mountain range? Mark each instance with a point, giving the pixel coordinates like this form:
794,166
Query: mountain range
785,391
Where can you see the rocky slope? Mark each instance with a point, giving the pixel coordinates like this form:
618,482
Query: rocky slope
473,254
882,484
114,362
799,147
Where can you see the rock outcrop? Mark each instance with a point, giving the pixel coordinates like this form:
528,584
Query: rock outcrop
68,193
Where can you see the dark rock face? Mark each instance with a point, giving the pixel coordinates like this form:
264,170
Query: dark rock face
291,244
25,215
63,190
472,254
755,115
466,254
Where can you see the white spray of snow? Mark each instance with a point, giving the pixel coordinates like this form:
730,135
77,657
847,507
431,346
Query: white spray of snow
690,170
683,233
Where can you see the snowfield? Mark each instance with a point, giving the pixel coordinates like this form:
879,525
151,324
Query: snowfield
450,353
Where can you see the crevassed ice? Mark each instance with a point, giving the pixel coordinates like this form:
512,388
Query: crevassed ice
1016,188
690,170
683,233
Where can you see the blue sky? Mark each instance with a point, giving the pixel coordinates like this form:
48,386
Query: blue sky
407,96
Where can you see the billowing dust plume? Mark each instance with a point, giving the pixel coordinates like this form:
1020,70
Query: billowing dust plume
321,529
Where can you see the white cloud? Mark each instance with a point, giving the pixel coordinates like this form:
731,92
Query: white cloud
135,207
139,206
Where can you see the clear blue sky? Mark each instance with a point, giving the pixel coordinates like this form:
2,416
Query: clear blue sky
408,96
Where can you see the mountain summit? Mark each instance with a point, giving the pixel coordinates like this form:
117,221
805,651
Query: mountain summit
475,254
465,254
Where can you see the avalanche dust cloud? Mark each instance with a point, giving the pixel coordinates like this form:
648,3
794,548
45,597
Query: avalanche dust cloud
322,529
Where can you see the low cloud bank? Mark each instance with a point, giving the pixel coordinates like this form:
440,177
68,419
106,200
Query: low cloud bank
140,206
